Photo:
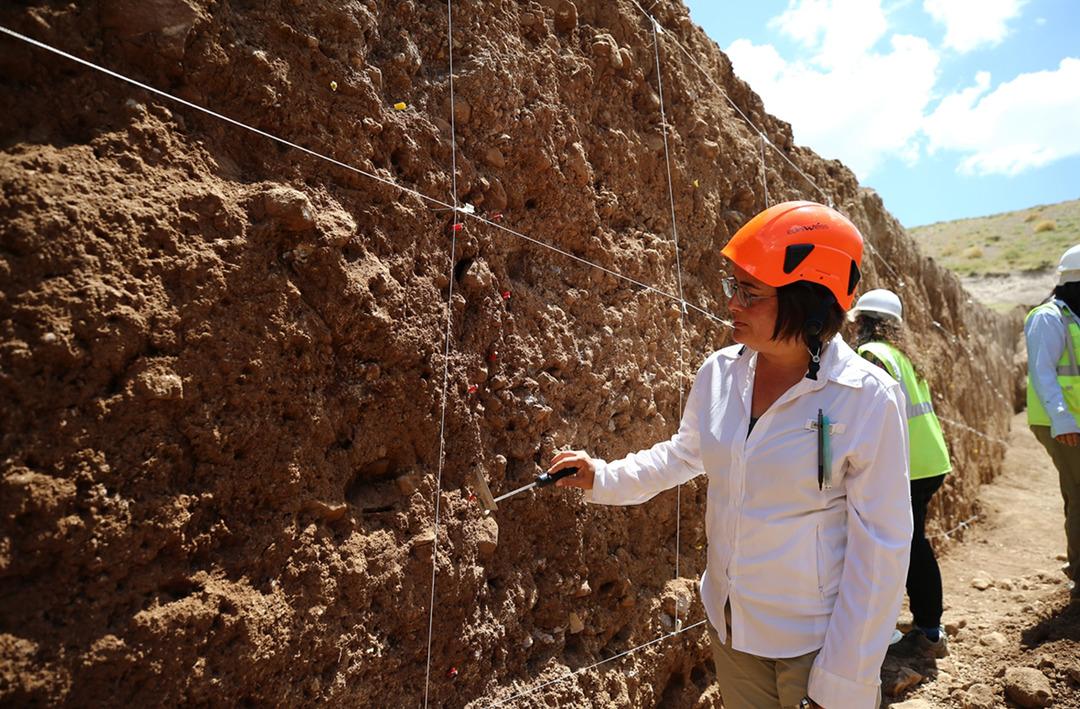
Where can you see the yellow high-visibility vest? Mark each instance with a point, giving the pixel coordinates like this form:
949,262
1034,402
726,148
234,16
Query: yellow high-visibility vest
927,451
1068,372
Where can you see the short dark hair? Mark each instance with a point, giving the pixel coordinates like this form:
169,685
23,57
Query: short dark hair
1070,293
802,301
873,328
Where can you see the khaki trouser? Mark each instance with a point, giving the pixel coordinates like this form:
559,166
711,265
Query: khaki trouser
751,682
1067,461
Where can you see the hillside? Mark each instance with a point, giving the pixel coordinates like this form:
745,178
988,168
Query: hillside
245,384
1005,259
1025,240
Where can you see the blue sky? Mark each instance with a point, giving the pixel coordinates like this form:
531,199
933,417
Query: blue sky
948,108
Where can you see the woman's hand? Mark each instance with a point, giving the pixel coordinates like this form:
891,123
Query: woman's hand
1069,439
585,475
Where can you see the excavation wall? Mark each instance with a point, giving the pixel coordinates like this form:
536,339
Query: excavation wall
222,359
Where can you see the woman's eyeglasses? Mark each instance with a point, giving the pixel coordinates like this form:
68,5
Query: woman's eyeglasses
737,292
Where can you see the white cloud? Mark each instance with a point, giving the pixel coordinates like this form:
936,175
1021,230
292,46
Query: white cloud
846,101
970,24
864,94
1024,123
836,30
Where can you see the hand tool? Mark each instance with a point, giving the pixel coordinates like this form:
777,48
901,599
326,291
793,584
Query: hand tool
491,504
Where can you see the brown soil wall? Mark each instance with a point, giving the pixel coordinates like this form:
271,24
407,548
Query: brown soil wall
221,359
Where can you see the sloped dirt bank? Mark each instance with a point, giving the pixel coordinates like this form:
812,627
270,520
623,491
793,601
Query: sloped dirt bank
221,358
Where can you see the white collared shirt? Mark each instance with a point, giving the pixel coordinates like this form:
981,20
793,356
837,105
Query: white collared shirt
1045,335
802,568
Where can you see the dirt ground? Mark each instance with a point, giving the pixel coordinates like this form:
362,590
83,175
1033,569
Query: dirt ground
1002,291
1016,550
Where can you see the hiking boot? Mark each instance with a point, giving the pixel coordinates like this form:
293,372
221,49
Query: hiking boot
916,644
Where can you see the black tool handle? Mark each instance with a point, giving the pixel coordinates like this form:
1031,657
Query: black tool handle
548,478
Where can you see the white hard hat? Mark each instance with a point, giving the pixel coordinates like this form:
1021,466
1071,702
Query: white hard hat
881,301
1069,267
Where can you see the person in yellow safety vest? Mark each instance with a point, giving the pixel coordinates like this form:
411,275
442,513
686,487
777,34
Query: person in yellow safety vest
1052,334
879,321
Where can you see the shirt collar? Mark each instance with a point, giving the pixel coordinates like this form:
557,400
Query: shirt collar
735,351
835,358
835,363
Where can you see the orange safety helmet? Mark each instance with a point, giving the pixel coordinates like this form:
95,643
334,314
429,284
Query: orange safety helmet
800,241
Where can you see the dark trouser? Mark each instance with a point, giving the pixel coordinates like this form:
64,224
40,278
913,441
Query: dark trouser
924,576
1067,461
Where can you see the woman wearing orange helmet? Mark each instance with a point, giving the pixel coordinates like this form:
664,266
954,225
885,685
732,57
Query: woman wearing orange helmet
805,446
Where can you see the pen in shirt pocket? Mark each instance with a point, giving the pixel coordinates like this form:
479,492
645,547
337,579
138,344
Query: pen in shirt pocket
824,461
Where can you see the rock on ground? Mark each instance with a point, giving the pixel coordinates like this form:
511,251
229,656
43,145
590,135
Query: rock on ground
1028,687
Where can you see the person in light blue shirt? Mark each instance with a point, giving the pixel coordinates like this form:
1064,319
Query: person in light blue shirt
1052,333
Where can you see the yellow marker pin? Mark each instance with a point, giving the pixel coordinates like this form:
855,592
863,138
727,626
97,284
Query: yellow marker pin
696,184
333,86
400,106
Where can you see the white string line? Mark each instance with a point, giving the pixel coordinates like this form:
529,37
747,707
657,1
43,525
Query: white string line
954,339
764,175
568,675
765,141
671,296
215,114
877,254
446,348
682,312
957,340
962,525
761,134
427,198
723,93
1000,441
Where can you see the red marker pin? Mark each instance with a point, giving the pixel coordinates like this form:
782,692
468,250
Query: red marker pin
452,673
496,217
506,295
458,227
473,388
493,356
